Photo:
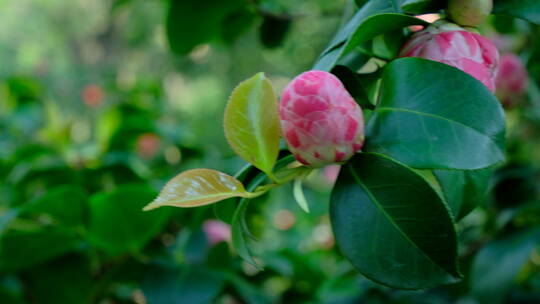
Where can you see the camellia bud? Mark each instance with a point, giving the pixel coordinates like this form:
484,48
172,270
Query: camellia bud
469,12
511,80
321,122
448,43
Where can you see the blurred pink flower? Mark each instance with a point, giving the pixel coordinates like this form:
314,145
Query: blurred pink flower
321,122
92,95
147,145
511,80
284,219
216,231
448,43
331,173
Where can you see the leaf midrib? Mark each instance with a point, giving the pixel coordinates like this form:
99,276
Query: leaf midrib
389,218
223,194
389,109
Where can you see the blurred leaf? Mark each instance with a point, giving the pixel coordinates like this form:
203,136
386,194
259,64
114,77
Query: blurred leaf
195,285
344,289
369,22
191,22
504,24
117,223
11,290
392,225
464,190
66,205
24,88
240,234
239,228
251,122
237,23
274,29
63,281
525,9
516,185
23,249
249,292
418,7
497,264
198,187
455,124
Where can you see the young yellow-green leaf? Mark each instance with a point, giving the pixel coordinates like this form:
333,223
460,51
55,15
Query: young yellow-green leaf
198,187
251,122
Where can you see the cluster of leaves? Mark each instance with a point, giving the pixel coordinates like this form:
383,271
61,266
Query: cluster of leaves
430,151
72,229
224,21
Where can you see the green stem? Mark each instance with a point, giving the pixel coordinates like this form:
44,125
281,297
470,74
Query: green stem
296,172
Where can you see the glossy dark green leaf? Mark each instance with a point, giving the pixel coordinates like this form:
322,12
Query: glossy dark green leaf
389,45
464,190
360,86
117,223
524,9
373,19
190,22
433,116
497,264
392,225
377,25
333,51
23,249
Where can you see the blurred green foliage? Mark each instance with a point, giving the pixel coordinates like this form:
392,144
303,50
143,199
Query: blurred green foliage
98,110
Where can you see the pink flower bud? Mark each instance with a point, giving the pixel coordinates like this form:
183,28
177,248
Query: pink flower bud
448,43
511,80
321,122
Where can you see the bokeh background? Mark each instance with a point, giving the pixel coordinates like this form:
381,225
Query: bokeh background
103,101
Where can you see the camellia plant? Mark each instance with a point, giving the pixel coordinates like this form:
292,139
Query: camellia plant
422,159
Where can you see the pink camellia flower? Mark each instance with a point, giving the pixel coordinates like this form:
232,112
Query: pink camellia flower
448,43
321,122
511,80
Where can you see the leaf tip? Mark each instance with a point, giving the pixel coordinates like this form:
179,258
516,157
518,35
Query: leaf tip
151,206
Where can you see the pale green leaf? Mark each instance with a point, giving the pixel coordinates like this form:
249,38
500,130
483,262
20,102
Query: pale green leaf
198,187
251,122
299,196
